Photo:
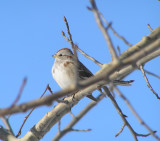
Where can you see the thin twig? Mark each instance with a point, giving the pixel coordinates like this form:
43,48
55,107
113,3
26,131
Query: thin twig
73,116
136,114
74,48
74,51
147,81
7,124
119,50
120,131
114,31
20,92
81,130
51,92
82,52
145,135
150,73
89,57
64,35
107,92
122,82
70,38
68,31
103,30
149,27
26,117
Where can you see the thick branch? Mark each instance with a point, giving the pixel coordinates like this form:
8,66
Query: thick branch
77,118
6,135
144,42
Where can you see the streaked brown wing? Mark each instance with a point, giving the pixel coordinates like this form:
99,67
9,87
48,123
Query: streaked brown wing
84,73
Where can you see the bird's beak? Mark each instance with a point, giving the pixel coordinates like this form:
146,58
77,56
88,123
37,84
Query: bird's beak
54,56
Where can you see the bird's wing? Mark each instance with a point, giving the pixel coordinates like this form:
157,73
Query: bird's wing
84,73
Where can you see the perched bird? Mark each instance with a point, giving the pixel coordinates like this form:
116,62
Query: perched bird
64,72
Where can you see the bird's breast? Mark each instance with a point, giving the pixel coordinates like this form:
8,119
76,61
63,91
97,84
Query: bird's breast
64,75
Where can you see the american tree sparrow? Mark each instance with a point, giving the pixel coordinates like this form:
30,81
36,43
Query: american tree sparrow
64,72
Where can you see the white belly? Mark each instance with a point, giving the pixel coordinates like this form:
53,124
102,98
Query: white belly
64,77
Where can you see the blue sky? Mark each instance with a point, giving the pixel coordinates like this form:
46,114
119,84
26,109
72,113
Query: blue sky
30,33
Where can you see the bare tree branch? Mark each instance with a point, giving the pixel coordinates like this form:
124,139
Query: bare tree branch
150,73
74,50
20,92
114,32
107,92
5,120
147,81
103,30
136,114
81,130
146,41
6,135
149,27
82,52
89,57
47,100
77,118
70,35
145,135
73,116
120,131
119,51
26,117
128,69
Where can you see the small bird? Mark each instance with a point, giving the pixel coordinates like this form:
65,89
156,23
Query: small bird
64,72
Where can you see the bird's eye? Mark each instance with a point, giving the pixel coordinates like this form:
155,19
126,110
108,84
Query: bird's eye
60,54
